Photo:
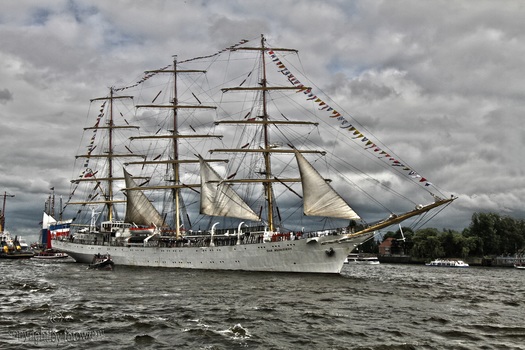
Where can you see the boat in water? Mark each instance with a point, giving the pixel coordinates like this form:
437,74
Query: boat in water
519,261
102,262
151,173
51,230
11,248
50,254
447,263
357,259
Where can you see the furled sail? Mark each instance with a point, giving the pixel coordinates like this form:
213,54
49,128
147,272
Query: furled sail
319,198
139,209
219,199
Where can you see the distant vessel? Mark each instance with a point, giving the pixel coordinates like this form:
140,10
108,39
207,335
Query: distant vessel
51,229
519,261
357,259
50,254
11,248
447,263
164,230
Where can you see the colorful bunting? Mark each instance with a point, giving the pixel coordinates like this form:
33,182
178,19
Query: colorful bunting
149,75
345,124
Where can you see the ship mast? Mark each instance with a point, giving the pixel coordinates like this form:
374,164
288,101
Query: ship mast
266,122
266,155
174,136
175,154
110,154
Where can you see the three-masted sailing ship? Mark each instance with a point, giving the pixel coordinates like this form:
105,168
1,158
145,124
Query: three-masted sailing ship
145,219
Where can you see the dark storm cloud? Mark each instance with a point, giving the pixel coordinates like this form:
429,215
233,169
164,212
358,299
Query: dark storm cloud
5,96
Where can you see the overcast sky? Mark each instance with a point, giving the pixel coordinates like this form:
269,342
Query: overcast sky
450,72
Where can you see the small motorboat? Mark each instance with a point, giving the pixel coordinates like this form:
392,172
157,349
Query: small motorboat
102,262
50,254
447,263
361,260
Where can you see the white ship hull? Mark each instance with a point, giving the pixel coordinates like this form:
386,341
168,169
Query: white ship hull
320,255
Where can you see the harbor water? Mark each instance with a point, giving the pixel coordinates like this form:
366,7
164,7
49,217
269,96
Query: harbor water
63,305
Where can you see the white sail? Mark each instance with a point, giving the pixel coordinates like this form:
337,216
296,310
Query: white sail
139,209
47,220
219,199
319,198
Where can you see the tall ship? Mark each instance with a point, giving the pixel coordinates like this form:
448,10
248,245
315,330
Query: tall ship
215,163
52,228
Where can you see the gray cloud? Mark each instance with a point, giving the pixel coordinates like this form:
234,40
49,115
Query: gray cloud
5,96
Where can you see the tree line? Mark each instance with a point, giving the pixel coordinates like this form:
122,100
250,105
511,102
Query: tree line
489,234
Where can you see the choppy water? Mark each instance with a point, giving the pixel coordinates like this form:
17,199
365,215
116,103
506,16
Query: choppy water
64,305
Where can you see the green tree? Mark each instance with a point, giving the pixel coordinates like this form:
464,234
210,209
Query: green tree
488,234
427,244
496,234
454,244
